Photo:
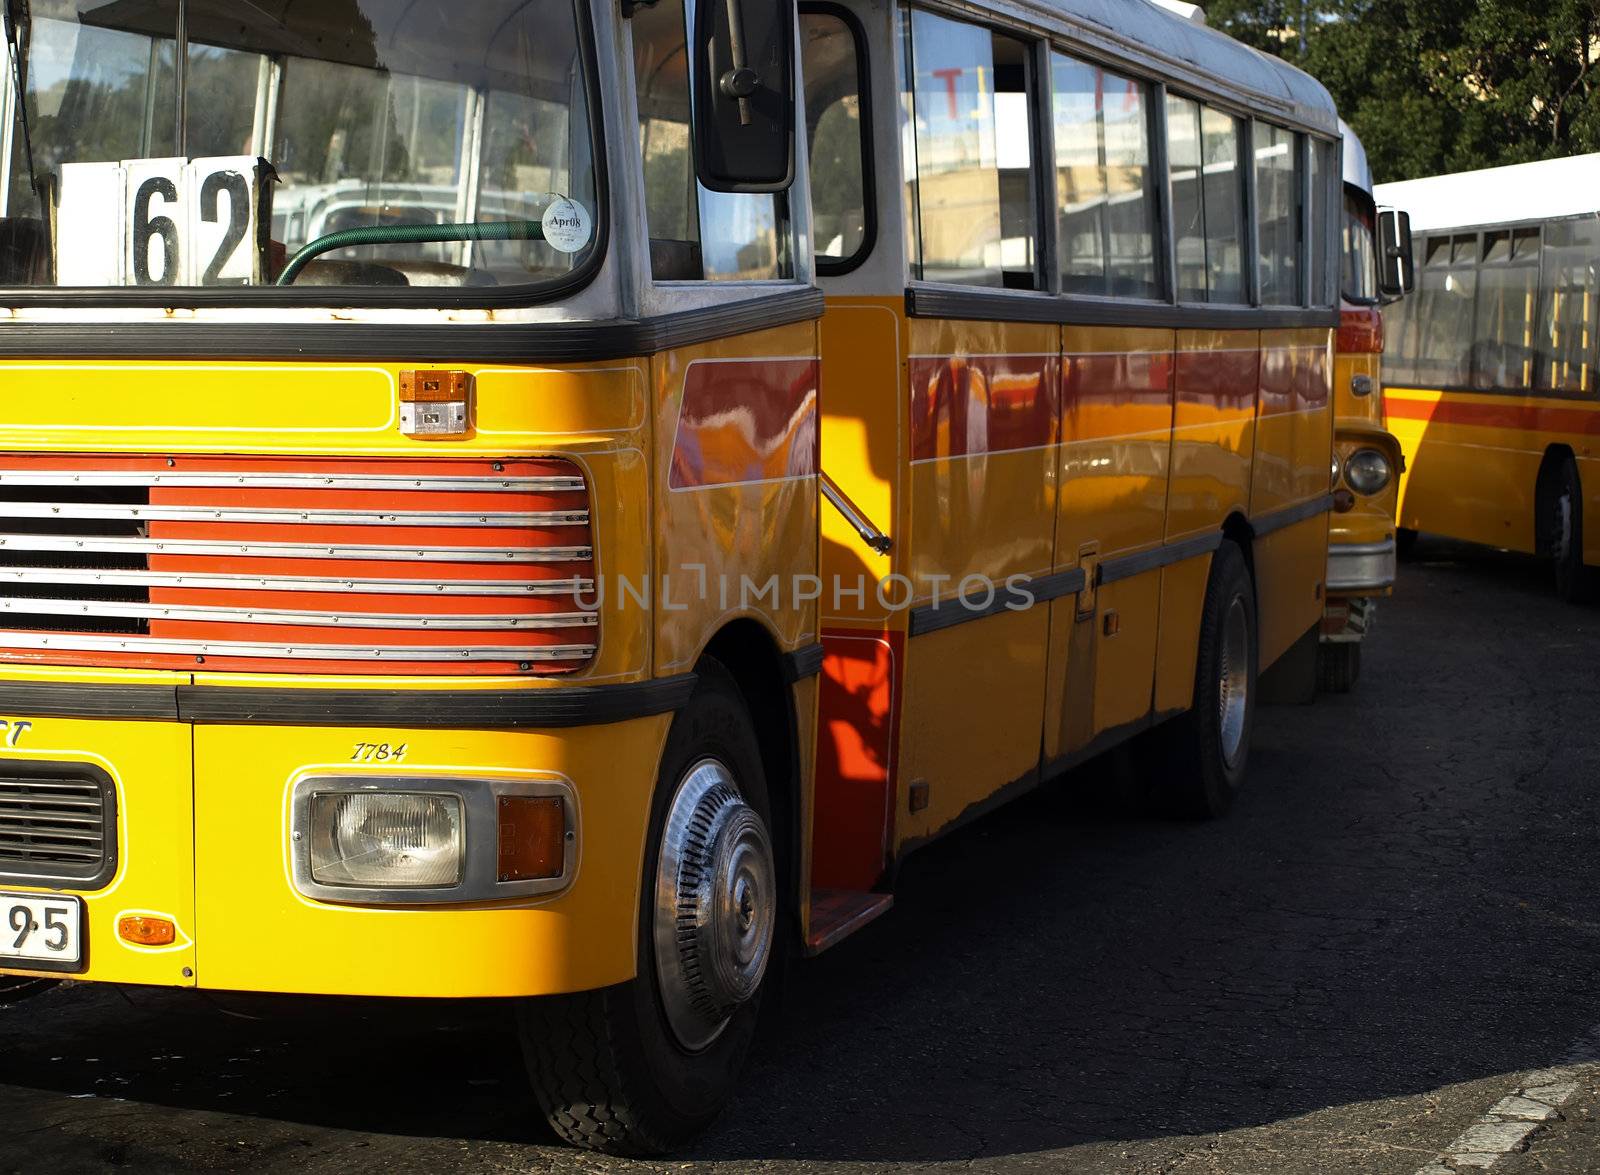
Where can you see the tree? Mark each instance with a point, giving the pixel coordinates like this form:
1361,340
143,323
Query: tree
1437,86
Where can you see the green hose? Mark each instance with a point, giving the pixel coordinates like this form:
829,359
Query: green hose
411,234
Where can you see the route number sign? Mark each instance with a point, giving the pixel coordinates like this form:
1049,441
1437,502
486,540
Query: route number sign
163,222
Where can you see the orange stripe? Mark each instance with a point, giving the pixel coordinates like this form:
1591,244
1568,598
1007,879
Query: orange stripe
1489,413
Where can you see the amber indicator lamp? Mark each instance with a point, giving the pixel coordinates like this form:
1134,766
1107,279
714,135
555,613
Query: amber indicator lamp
533,837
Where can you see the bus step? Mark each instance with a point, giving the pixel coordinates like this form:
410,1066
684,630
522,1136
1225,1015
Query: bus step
836,914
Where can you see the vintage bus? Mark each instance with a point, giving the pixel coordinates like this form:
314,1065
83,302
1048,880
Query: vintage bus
1362,561
554,500
1492,365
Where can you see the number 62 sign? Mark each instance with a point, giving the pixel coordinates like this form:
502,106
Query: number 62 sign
163,222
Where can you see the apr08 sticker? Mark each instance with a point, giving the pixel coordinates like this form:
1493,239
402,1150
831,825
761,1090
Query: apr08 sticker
567,226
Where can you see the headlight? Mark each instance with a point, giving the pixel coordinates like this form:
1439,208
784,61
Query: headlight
399,840
1367,472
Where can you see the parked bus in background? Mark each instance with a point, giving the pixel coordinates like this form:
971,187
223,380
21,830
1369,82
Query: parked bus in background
441,601
1361,539
1492,365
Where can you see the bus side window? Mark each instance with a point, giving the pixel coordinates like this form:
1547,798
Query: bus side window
1207,202
1567,314
969,154
1278,214
1104,196
695,234
838,138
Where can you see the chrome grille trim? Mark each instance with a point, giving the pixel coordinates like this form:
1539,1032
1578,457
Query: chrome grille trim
141,546
299,583
90,642
293,481
286,516
216,614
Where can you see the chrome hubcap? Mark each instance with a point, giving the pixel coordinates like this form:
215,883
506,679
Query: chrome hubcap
1233,688
716,904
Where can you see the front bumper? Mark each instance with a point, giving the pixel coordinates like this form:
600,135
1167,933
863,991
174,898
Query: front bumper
205,813
1362,567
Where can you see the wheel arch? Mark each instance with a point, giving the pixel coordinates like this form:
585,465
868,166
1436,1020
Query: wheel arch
1236,529
751,654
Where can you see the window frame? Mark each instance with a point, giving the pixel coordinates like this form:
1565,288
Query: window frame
840,266
526,296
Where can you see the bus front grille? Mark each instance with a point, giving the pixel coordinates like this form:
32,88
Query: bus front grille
261,565
57,824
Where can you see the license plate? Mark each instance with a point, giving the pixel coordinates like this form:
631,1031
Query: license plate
35,929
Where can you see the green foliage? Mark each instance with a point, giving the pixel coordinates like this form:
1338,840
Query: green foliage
1436,86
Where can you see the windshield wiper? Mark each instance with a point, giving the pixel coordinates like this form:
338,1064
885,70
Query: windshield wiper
14,44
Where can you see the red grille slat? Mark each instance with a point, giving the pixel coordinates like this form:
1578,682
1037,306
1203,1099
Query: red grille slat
85,578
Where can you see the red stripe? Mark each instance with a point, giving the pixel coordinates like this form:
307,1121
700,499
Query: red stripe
1219,379
1117,395
965,405
1496,414
746,421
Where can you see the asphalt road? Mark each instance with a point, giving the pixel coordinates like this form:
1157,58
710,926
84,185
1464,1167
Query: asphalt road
1396,924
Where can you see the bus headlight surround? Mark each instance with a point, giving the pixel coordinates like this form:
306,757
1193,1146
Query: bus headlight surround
411,840
1368,472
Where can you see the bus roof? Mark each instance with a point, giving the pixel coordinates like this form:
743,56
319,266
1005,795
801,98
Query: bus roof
1187,52
1357,171
1550,190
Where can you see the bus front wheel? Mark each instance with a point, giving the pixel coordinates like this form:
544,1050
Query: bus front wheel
641,1068
1204,751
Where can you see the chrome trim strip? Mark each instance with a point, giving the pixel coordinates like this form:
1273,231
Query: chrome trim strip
292,481
98,643
298,583
106,511
875,538
215,614
113,545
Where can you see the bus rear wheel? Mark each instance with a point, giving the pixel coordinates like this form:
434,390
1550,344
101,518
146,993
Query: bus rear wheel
641,1068
1204,752
1575,582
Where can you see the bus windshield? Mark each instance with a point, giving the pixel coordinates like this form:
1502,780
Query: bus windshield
256,143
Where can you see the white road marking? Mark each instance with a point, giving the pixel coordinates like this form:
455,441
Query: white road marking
1508,1124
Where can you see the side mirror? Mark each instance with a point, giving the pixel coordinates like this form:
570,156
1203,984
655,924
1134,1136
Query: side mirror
1397,267
744,99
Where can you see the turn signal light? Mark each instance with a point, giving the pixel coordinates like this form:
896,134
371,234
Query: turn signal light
436,404
533,837
145,931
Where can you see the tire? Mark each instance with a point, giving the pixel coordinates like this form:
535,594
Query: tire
1338,667
610,1069
1405,542
1563,522
1204,752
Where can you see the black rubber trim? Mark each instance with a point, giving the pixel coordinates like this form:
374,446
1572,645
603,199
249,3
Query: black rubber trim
510,343
949,613
839,266
371,297
82,878
802,663
539,709
1289,515
30,699
1075,310
1128,566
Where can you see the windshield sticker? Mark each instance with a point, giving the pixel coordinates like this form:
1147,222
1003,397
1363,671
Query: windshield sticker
567,226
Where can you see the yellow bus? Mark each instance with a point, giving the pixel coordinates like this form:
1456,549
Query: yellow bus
553,501
1493,367
1361,544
